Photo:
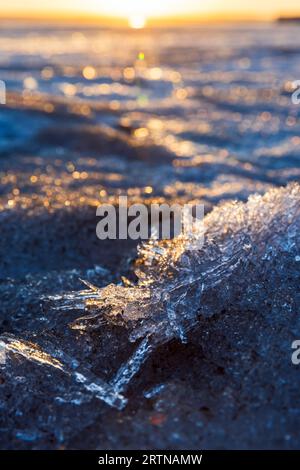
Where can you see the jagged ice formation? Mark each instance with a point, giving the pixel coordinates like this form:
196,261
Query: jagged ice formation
247,261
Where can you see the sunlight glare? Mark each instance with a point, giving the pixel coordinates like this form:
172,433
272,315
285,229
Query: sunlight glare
137,21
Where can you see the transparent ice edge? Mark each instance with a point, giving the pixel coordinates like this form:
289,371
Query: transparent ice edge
57,359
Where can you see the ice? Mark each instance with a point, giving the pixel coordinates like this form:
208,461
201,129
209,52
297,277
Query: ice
249,248
57,359
130,368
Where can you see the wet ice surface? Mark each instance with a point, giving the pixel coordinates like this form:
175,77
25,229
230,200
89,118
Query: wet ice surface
196,115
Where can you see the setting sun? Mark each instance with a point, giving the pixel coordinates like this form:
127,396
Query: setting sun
138,14
137,21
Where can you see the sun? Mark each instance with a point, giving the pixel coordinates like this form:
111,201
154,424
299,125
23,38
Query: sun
137,21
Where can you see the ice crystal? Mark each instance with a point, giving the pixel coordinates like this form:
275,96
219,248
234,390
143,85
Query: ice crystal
57,359
247,253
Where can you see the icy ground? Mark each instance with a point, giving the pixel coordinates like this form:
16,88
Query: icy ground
178,292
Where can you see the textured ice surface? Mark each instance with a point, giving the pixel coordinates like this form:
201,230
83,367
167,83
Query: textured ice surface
249,261
69,366
249,248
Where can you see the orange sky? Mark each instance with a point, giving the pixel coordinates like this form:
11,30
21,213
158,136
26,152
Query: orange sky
143,9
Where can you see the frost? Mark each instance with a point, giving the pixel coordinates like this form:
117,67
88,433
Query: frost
249,248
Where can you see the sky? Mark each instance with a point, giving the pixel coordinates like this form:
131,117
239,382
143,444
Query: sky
262,9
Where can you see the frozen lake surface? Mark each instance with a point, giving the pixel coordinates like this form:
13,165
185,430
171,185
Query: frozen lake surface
200,115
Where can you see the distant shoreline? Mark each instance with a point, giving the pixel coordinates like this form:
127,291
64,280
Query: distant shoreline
291,19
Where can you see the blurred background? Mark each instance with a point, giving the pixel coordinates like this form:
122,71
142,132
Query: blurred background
165,101
194,97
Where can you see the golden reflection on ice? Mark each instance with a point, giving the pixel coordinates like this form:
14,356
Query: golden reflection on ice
33,353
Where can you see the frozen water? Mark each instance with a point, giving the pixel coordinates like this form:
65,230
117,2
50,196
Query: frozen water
59,360
249,248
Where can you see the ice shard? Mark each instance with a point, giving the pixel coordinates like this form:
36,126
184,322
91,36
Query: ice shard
248,251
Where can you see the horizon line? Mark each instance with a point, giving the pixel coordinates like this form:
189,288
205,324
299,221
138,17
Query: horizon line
164,20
